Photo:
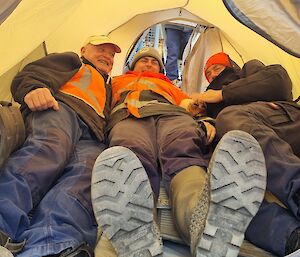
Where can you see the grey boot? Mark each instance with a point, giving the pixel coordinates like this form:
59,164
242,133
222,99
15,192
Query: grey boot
238,182
123,204
189,200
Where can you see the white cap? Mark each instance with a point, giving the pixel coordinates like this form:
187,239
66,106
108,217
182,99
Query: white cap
102,39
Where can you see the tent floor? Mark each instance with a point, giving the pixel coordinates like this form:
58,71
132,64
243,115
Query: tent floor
172,249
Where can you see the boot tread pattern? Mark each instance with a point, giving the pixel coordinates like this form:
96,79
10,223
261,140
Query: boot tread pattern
238,182
199,216
123,203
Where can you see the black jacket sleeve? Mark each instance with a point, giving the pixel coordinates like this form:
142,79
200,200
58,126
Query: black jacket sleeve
259,83
51,71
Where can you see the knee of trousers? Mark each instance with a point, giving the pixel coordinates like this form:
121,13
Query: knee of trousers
231,118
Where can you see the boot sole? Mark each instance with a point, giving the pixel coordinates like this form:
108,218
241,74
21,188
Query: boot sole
238,182
5,253
123,203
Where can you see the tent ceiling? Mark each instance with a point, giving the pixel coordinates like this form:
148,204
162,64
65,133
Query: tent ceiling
259,16
70,21
6,8
6,78
27,27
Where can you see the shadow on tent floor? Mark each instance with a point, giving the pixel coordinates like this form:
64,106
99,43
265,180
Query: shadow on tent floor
172,249
175,250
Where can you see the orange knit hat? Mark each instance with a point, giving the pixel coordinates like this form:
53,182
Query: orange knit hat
219,58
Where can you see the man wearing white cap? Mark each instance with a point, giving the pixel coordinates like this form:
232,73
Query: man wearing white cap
45,205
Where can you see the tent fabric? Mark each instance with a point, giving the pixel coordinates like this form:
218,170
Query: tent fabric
7,7
128,33
28,26
211,41
6,78
207,44
261,16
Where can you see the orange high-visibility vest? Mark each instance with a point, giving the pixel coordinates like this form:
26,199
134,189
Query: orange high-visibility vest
136,82
89,86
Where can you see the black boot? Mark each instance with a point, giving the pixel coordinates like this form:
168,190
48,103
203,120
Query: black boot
293,243
8,245
296,198
83,250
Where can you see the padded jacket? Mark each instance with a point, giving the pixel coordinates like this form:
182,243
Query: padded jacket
254,82
52,72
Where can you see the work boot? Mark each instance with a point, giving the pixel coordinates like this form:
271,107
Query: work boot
8,247
123,204
293,243
189,201
238,182
82,250
296,198
12,130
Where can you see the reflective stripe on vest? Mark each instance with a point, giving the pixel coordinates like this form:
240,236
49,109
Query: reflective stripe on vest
132,101
89,86
140,104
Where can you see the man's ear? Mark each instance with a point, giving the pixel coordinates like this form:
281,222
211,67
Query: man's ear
82,50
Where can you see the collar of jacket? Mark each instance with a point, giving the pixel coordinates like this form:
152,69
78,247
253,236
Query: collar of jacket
227,76
85,61
149,75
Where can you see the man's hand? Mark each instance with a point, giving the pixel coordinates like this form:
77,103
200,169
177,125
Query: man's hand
209,96
197,108
210,132
274,106
194,107
40,99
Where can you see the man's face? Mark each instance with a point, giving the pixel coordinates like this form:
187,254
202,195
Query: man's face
102,56
213,71
147,63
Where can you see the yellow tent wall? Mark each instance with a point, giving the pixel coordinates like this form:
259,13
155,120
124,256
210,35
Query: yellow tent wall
64,25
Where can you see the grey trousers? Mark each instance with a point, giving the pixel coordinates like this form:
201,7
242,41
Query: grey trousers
278,133
165,144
